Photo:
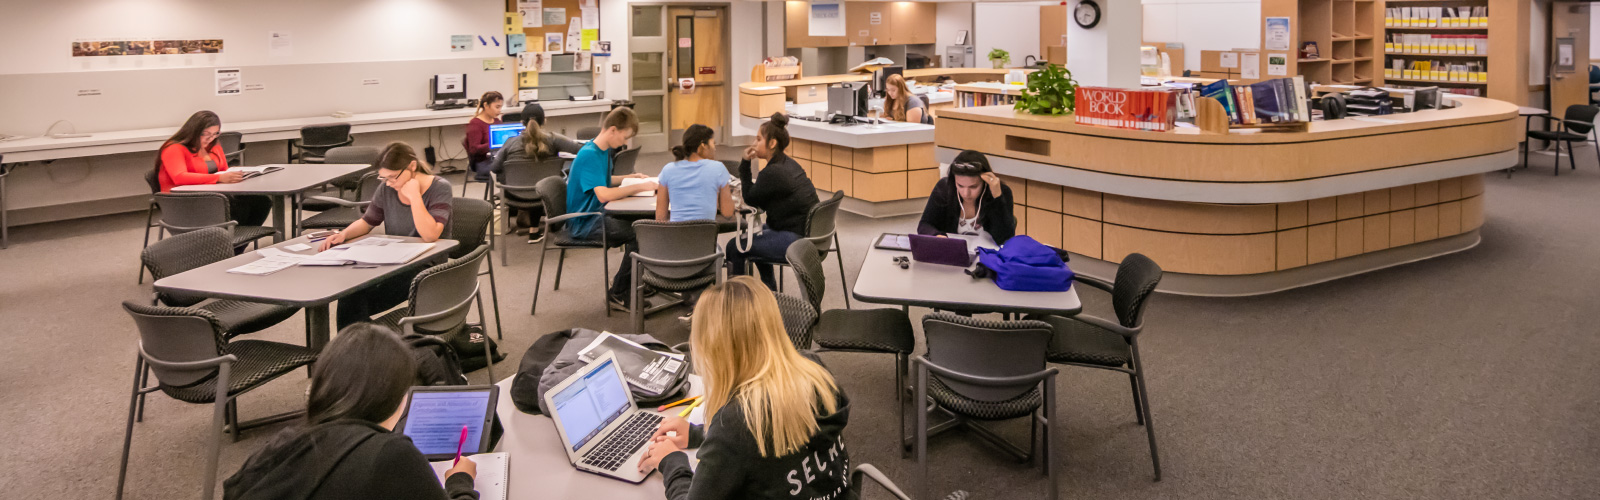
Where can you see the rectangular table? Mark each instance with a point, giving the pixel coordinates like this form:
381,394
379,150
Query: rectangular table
309,287
882,281
282,186
632,207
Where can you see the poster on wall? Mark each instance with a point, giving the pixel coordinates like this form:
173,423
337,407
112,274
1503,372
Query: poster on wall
552,42
555,17
1278,64
146,47
460,43
827,18
532,13
280,44
229,81
574,35
1277,33
516,44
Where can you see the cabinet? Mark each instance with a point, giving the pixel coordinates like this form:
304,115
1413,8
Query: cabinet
899,23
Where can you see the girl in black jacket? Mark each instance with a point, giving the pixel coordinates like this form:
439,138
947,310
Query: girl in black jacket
970,200
782,189
346,448
775,417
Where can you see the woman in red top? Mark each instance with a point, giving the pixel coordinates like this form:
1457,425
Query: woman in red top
193,156
478,133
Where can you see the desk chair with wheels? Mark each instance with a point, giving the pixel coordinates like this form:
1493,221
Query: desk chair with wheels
822,231
624,161
470,229
977,370
553,195
677,257
517,187
1574,126
194,249
193,363
441,298
343,212
232,147
316,140
344,155
1092,342
151,177
184,212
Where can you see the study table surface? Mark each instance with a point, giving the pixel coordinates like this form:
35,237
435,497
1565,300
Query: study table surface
282,185
882,281
633,206
310,287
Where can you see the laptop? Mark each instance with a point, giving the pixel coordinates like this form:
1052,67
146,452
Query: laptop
500,132
602,429
936,250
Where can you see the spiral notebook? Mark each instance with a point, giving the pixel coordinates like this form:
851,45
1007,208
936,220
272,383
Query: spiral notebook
493,471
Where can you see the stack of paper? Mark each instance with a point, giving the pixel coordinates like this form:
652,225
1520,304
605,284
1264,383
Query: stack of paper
634,180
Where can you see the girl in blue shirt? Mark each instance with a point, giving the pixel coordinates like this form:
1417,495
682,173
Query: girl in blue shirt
696,186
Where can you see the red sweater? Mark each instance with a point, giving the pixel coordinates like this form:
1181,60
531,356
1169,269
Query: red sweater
477,142
179,167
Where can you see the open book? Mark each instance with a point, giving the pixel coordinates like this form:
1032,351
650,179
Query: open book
634,180
255,171
368,251
645,369
494,469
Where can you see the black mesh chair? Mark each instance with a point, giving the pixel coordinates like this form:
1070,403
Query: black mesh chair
517,187
344,212
623,162
553,195
184,212
880,330
1093,342
822,231
232,147
470,229
195,249
152,178
674,257
316,140
441,300
345,155
587,134
1574,126
978,370
185,349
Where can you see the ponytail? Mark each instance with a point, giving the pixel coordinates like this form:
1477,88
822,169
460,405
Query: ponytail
535,141
697,135
777,129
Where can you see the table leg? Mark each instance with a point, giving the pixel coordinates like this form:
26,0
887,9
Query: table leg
280,209
317,332
5,225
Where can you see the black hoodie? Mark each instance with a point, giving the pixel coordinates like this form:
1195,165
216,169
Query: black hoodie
731,467
343,459
943,213
783,190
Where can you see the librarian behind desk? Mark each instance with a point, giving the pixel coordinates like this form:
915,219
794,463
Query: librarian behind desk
1232,214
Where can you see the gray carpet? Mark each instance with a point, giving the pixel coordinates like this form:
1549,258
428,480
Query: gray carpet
1467,376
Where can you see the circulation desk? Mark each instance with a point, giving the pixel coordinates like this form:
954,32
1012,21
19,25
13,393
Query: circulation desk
1235,214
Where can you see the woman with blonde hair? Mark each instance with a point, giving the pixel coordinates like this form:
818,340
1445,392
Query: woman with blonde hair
775,416
901,105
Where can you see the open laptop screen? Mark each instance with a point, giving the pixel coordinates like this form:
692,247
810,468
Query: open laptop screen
499,133
590,403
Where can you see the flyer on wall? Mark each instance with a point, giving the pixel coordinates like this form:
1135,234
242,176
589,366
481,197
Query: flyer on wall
1277,33
229,81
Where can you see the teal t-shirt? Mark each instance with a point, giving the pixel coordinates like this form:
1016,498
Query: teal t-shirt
693,187
591,169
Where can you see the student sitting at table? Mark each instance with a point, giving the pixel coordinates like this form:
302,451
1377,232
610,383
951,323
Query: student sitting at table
536,144
410,201
477,141
696,186
969,200
589,190
901,105
346,447
775,417
782,190
193,156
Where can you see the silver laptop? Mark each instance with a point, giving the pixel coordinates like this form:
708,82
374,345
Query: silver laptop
601,428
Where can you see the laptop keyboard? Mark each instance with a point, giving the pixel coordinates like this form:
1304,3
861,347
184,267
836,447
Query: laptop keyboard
621,444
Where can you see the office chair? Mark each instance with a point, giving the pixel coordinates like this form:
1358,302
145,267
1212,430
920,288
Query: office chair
553,194
867,471
316,140
517,187
1594,84
623,162
194,249
343,155
184,212
151,177
587,134
344,212
677,257
1574,126
232,147
471,230
441,298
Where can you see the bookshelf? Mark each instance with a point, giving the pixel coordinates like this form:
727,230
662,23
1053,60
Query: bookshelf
1498,42
1344,31
986,94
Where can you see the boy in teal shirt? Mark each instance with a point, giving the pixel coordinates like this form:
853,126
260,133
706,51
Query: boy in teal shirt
589,189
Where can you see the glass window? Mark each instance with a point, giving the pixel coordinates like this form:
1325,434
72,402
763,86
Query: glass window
646,70
685,50
647,21
648,109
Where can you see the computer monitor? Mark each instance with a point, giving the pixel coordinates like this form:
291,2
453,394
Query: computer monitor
500,132
448,86
882,75
848,99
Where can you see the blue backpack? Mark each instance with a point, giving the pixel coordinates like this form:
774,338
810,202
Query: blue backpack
1025,265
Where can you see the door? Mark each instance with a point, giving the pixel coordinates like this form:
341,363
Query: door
647,70
1569,56
698,51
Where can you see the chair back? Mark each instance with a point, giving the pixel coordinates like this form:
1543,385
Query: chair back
1583,113
367,186
623,162
553,194
182,252
733,168
352,155
677,241
171,336
184,212
1594,74
587,134
153,178
231,142
1137,277
444,293
470,224
822,221
524,172
326,135
807,263
986,348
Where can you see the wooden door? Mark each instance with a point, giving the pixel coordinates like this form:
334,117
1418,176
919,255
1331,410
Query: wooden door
698,52
1569,27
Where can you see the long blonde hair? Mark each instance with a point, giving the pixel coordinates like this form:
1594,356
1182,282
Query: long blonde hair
741,349
896,106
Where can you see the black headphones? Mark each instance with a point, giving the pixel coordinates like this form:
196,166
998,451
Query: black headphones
1333,106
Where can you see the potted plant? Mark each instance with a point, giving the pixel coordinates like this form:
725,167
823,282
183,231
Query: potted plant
999,57
1050,91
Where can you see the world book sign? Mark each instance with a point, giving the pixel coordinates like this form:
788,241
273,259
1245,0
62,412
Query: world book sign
1152,110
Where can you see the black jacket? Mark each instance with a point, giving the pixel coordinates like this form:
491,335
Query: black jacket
943,212
732,468
345,459
783,190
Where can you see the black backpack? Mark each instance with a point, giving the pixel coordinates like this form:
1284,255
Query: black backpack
437,363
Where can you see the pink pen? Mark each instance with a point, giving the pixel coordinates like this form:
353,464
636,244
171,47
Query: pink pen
458,446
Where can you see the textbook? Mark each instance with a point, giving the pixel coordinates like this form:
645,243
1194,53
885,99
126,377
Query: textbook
494,469
634,180
255,171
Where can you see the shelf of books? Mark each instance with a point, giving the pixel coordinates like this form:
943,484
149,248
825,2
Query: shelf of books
1443,43
986,94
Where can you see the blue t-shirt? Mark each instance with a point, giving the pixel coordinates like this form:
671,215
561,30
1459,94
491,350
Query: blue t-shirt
591,169
693,187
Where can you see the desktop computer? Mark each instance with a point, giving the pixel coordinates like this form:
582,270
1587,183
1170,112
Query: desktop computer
882,75
847,99
448,91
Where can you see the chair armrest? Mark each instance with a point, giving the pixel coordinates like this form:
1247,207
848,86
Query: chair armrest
186,365
1566,123
566,217
515,188
407,323
872,473
339,201
182,229
1101,323
1092,282
981,380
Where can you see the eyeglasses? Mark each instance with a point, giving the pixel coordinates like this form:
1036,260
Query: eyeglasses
209,135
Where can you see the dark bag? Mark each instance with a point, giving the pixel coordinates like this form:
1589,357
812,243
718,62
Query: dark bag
469,343
437,363
1025,265
525,386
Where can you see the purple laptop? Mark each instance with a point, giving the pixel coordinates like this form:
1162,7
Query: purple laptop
936,250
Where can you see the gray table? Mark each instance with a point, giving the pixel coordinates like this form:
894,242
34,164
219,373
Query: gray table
282,186
632,207
881,281
309,287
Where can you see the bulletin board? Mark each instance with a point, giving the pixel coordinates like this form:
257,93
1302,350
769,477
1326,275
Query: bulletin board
527,76
573,8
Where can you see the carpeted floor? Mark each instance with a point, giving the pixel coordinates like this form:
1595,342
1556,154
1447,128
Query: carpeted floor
1467,376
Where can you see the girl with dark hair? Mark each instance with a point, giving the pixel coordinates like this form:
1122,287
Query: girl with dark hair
346,447
193,156
537,144
782,189
970,200
477,141
696,186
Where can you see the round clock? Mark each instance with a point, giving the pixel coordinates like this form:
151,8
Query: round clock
1087,14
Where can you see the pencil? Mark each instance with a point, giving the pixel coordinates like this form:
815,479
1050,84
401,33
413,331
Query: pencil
685,412
678,402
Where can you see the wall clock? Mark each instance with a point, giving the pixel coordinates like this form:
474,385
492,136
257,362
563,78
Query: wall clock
1087,14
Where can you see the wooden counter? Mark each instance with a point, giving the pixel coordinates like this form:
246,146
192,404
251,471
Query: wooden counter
1229,214
762,99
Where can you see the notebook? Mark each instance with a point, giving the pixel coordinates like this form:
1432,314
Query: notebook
393,253
634,180
255,171
493,470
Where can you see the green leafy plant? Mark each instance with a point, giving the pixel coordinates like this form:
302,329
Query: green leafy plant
1050,91
1000,55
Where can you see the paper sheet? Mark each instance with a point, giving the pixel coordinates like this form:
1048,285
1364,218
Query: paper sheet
280,43
492,469
633,180
591,17
532,13
1250,65
555,17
